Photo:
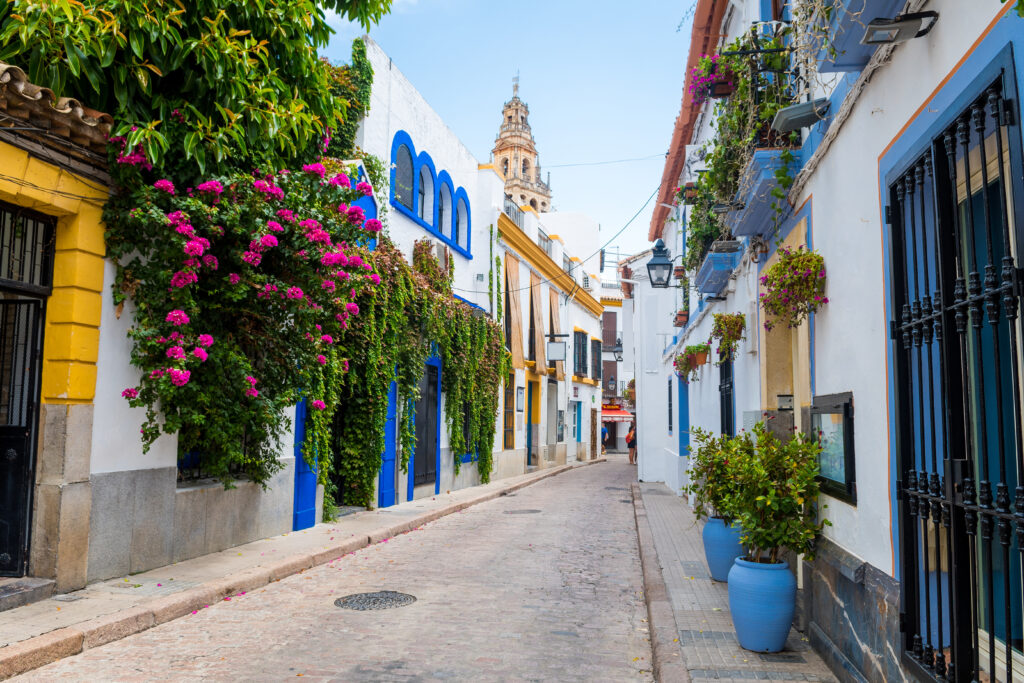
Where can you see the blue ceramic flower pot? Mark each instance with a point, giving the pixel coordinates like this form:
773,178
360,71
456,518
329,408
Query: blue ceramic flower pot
762,599
721,547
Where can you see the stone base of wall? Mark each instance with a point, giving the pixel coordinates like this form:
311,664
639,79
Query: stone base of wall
509,463
851,612
141,519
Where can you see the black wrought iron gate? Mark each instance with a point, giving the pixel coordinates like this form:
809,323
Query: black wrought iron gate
26,278
956,338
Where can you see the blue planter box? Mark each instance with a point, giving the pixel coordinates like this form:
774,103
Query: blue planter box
847,28
757,217
714,273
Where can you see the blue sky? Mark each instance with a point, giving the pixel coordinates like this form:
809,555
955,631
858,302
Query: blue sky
603,81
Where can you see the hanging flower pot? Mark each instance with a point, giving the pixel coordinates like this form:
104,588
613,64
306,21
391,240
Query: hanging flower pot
679,272
681,318
720,88
699,352
728,329
688,193
794,287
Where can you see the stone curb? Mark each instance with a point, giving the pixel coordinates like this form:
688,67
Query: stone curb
46,648
669,664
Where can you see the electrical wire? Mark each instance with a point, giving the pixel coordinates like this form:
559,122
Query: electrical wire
599,249
605,163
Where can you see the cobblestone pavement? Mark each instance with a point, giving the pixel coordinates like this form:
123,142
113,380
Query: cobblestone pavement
503,593
701,606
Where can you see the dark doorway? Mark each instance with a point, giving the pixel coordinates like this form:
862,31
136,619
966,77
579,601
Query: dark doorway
725,392
425,456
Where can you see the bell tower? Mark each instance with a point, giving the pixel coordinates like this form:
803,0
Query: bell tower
515,156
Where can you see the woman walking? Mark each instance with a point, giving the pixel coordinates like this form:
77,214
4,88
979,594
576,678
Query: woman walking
631,442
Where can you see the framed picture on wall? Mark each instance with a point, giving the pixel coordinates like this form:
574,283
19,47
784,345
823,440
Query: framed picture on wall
520,398
832,427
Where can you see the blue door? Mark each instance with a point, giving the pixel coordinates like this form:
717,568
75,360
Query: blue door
579,421
386,489
304,506
530,398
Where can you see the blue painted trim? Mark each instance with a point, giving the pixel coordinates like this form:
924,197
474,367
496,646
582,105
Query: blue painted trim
435,360
714,273
462,196
992,54
304,501
470,303
579,421
390,452
439,177
757,216
684,417
809,240
847,28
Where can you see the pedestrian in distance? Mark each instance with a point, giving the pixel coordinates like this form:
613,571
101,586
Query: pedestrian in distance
631,442
604,438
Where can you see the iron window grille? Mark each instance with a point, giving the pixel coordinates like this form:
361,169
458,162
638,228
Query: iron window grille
955,340
510,412
27,241
595,358
579,347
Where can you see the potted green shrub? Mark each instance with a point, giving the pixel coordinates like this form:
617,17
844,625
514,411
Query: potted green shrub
683,364
772,498
711,489
794,287
699,352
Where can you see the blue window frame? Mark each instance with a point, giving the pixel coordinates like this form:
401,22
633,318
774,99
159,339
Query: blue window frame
429,197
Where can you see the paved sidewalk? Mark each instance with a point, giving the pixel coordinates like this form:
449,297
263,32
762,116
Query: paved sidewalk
701,606
42,632
541,585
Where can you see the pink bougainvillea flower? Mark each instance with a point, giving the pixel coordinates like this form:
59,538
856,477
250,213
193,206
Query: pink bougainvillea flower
211,186
344,365
274,226
355,215
183,278
194,248
365,188
320,358
309,224
176,352
295,293
130,392
319,235
233,278
375,278
179,378
174,336
164,185
156,374
319,405
342,208
177,317
352,308
268,288
205,340
252,258
340,180
185,229
327,339
268,241
251,380
327,285
210,261
334,258
316,169
177,218
286,215
200,353
251,392
373,225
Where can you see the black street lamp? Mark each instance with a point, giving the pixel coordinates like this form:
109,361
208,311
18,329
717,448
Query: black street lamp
659,268
617,350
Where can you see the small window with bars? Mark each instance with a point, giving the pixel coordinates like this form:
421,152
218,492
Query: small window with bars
544,241
579,350
595,358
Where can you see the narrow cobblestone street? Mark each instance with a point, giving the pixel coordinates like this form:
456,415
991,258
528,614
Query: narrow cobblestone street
543,584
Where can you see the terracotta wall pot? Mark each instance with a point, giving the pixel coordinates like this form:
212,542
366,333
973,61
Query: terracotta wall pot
701,358
679,272
682,318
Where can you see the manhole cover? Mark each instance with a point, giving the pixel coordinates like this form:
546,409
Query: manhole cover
615,488
378,600
521,512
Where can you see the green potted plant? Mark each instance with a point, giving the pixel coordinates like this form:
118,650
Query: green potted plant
728,329
699,352
773,493
711,490
794,287
683,364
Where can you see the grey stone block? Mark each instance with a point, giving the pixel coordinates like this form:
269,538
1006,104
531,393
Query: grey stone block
189,523
222,512
153,527
50,459
110,525
247,510
277,502
73,542
78,443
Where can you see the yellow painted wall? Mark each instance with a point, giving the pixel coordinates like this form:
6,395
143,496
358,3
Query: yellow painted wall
785,358
71,335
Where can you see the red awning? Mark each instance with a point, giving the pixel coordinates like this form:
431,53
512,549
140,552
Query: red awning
616,415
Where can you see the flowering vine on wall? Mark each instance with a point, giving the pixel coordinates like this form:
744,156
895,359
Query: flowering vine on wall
794,287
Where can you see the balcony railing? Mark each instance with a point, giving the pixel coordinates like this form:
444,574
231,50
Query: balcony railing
514,212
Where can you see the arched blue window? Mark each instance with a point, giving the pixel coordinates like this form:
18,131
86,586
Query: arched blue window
425,195
461,236
444,211
403,176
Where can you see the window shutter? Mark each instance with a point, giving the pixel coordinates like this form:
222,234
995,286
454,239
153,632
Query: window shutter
538,321
556,328
516,312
